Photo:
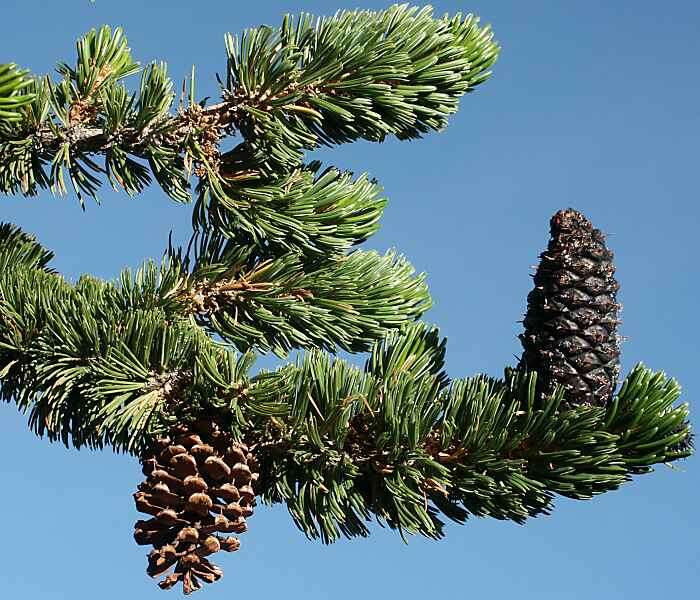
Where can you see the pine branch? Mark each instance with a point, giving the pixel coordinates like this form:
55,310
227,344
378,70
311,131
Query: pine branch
356,75
317,214
393,441
102,365
397,444
82,358
126,364
280,304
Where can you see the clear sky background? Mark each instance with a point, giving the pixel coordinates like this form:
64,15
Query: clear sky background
594,105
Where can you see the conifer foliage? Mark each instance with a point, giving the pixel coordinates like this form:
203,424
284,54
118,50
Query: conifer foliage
158,363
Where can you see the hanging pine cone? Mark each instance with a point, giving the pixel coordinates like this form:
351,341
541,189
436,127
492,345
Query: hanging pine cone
570,334
198,484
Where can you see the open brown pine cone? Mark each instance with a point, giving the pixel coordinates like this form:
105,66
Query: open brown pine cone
199,484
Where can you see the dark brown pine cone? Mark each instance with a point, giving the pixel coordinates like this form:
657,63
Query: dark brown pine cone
571,323
199,483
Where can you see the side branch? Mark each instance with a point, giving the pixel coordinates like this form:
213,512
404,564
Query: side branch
409,451
358,75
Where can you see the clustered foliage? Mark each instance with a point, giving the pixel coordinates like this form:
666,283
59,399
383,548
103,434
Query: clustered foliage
271,267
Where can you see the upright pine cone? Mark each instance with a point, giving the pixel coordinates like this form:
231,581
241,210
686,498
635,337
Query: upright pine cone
570,334
198,483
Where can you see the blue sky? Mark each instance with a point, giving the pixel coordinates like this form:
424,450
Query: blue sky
594,105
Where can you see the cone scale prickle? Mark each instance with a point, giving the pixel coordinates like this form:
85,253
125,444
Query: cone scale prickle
199,483
570,336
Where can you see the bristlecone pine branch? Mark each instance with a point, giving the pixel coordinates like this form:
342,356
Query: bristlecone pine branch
570,336
158,364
